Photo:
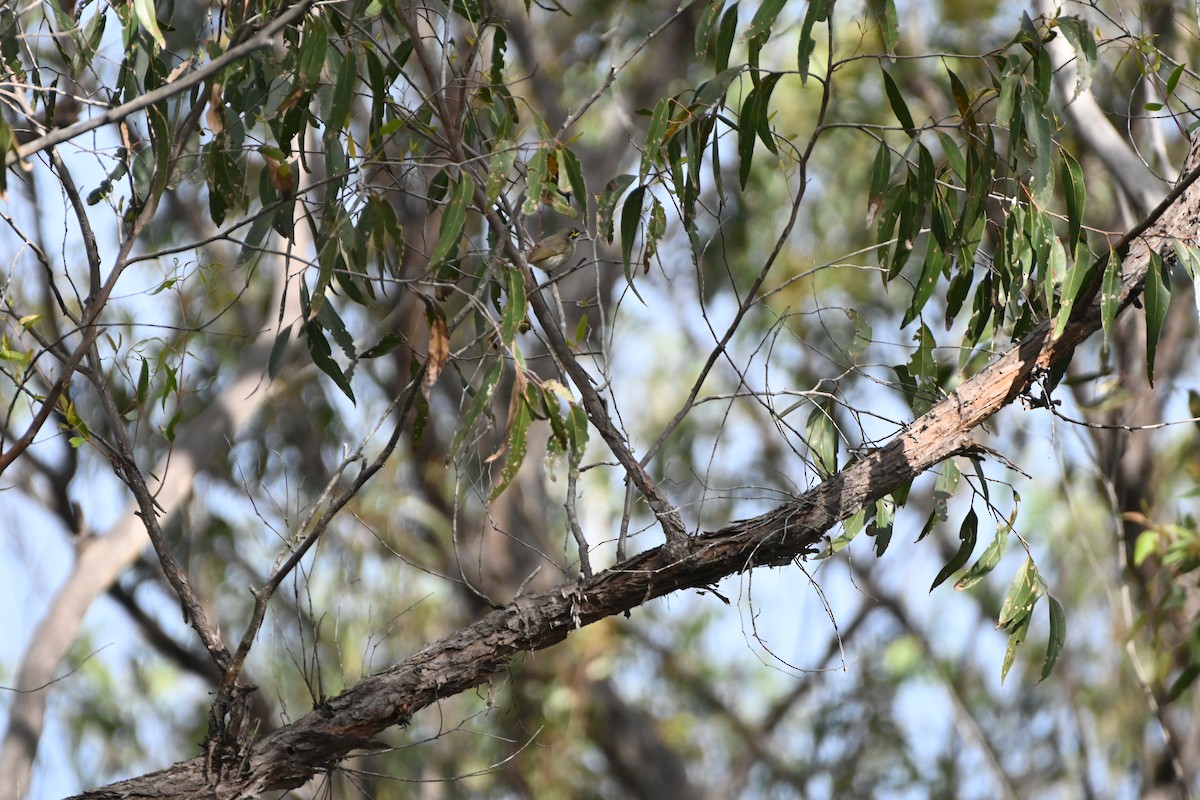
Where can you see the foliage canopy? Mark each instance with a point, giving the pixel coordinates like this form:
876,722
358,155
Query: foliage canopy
268,308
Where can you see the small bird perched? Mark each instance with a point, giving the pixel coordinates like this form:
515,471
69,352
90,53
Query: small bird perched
554,251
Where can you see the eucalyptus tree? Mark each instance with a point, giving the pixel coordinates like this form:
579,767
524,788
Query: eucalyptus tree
270,310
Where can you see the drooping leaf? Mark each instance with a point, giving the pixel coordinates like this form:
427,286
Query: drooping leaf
607,204
1079,33
1057,638
936,261
655,133
516,440
1016,636
818,11
537,176
147,17
1110,296
1157,296
881,170
988,561
881,526
504,155
574,177
899,107
1022,595
821,436
760,28
967,535
453,218
515,312
884,13
726,35
706,27
631,217
1076,194
482,400
322,356
1037,125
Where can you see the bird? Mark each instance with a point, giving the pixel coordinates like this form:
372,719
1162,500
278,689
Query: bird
554,251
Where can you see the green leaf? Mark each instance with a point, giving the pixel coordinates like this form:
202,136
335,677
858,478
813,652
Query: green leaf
881,171
312,51
516,443
706,27
882,524
1022,595
581,329
936,261
143,383
725,37
322,356
387,343
1110,296
818,11
482,399
343,92
1037,125
1076,195
884,12
631,217
1173,80
1181,683
90,42
1079,33
912,214
453,218
967,535
924,369
1015,637
577,432
863,335
147,17
607,203
574,177
1057,638
659,120
1078,276
962,100
515,312
1055,269
899,107
822,439
747,135
333,323
762,122
988,561
954,156
1157,297
928,527
714,89
960,284
10,43
504,155
537,175
760,28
